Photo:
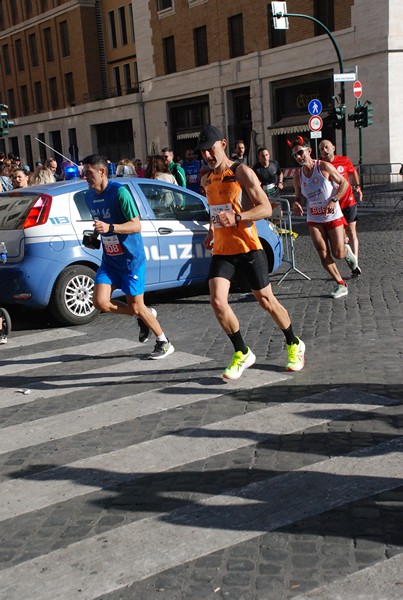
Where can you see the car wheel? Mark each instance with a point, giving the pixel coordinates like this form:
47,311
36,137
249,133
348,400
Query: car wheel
71,301
7,320
269,254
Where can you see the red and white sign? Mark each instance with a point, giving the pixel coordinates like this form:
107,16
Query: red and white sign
315,123
357,89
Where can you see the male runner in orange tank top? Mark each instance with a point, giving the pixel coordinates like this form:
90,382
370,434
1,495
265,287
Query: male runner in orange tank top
236,246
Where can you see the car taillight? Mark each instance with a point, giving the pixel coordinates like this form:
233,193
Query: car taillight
39,212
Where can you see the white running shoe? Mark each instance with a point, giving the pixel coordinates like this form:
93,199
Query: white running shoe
339,291
351,258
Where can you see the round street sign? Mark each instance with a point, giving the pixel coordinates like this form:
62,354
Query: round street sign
315,123
315,107
357,89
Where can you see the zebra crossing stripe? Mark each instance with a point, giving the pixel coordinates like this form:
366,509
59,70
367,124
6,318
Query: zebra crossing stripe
382,581
106,563
84,476
123,409
131,369
34,339
11,366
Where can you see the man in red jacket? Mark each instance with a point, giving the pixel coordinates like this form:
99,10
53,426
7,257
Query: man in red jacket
348,202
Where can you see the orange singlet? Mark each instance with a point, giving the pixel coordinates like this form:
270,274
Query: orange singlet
224,193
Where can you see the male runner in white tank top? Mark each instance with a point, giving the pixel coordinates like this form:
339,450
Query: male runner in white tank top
322,186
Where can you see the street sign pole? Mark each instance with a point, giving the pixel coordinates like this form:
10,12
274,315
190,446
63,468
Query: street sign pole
357,91
283,13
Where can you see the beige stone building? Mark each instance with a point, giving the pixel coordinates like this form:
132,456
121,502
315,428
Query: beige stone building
127,78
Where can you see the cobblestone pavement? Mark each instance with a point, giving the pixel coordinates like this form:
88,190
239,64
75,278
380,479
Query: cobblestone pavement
122,479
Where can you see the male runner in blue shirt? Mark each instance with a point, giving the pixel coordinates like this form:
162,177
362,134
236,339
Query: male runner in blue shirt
123,265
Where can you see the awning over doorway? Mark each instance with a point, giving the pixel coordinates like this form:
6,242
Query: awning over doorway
292,124
188,135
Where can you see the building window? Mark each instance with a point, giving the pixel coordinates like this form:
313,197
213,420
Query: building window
24,100
19,53
43,5
54,98
1,16
277,37
11,102
6,60
164,4
38,96
131,22
33,50
28,149
112,29
324,12
169,54
64,38
13,9
47,38
235,35
122,25
69,84
127,78
200,46
118,85
28,9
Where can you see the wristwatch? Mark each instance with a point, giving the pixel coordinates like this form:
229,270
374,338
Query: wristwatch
334,199
238,218
111,228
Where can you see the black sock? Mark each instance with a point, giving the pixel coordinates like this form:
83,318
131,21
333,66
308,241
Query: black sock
290,336
237,342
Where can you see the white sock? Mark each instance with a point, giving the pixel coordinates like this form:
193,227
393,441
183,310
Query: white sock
161,338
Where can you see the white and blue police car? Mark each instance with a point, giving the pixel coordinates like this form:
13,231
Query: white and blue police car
48,265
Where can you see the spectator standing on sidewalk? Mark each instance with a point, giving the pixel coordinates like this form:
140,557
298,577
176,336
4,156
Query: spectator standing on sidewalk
123,264
191,166
239,152
322,186
236,247
269,173
348,202
175,169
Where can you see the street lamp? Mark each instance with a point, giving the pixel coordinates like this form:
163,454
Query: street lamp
279,11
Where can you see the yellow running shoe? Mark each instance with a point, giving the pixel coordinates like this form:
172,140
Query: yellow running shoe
239,363
296,354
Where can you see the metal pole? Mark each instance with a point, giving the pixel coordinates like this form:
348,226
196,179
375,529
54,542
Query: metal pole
59,153
341,67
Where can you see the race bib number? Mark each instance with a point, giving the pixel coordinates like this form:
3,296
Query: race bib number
216,209
318,210
112,245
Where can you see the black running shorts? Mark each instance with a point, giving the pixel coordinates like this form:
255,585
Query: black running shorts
252,265
350,213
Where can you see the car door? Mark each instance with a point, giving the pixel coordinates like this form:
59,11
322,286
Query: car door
83,221
180,218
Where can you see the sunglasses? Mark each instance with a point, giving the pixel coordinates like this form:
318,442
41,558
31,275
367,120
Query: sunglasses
298,153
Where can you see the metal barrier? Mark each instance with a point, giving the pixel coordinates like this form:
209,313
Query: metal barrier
382,184
281,217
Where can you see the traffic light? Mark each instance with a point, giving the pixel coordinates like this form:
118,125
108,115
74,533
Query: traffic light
5,123
337,115
368,116
362,115
359,115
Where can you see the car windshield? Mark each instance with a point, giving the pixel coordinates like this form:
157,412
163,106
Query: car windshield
14,210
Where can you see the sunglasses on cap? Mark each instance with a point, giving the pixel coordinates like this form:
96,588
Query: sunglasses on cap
298,153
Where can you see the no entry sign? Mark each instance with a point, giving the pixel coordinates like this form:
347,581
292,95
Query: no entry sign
357,89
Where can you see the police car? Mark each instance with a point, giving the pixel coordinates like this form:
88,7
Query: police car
48,265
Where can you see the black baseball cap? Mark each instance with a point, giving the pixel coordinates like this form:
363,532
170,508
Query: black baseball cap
208,136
